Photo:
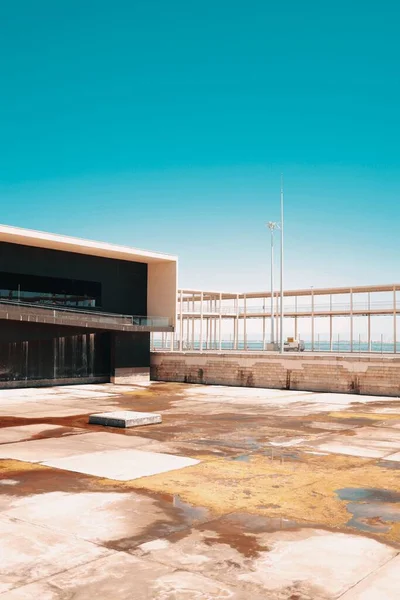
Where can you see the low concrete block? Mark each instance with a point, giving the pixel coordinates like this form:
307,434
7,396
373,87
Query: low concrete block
125,418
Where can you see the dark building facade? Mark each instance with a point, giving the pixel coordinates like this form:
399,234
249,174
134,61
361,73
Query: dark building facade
75,311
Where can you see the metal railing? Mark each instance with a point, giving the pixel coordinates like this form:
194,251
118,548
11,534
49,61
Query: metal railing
292,308
92,316
342,346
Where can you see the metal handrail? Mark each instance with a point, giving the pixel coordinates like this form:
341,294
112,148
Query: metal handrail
93,314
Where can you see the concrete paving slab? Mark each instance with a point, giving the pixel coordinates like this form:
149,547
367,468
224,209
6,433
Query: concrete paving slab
29,552
121,465
48,448
368,442
306,563
125,577
120,519
383,584
26,432
395,457
125,418
115,439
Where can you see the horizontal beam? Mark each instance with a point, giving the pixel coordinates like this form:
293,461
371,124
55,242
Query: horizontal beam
360,289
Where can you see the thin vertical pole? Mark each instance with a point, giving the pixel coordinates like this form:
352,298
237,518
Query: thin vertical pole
351,320
263,327
181,322
282,255
272,289
369,322
193,322
220,322
312,320
394,321
237,323
201,321
244,323
330,332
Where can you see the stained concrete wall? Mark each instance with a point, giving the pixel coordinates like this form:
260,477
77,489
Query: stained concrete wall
365,374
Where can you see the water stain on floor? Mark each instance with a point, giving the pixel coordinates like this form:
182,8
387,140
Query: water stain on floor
372,509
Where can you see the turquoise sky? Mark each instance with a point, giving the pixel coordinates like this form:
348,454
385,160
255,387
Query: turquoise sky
166,125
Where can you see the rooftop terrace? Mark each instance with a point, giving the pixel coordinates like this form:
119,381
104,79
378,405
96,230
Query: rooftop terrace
288,495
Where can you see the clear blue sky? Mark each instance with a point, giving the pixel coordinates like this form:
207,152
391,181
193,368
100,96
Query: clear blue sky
166,125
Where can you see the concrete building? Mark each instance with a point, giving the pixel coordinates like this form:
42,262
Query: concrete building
74,310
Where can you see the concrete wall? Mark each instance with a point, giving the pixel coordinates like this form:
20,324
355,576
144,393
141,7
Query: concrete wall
373,374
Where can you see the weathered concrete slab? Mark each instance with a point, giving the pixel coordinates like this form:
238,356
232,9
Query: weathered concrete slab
306,563
383,584
29,552
25,432
125,418
122,465
368,442
121,520
48,448
125,577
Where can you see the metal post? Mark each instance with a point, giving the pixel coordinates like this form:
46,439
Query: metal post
181,322
282,255
272,227
193,322
351,320
220,322
394,321
263,326
244,323
201,321
369,322
330,332
215,323
312,320
236,341
296,333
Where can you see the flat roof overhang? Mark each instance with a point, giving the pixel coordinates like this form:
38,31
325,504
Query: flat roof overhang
52,241
162,272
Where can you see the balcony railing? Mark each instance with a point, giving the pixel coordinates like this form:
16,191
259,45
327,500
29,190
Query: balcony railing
89,316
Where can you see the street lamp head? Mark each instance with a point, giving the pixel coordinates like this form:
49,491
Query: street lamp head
272,225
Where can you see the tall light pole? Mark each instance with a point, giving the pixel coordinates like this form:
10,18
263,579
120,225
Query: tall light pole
272,226
281,328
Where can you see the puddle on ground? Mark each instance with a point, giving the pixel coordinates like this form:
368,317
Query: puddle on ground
372,509
240,458
389,464
240,531
190,512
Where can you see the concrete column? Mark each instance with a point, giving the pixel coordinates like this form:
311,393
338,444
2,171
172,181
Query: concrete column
207,328
244,323
201,321
181,322
351,321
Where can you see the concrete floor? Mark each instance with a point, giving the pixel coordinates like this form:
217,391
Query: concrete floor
239,493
